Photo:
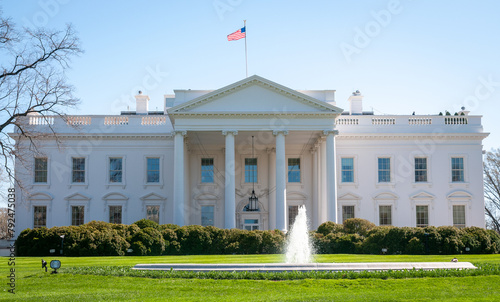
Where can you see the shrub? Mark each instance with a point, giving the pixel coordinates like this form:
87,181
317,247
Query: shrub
148,241
358,226
273,242
451,242
329,227
146,223
375,240
172,245
194,240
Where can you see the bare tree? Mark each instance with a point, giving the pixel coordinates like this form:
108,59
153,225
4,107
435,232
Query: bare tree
4,230
492,189
32,82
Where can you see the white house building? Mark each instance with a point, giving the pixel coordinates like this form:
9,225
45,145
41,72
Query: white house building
194,163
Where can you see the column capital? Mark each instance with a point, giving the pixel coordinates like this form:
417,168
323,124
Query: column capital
226,132
327,132
181,132
276,132
271,150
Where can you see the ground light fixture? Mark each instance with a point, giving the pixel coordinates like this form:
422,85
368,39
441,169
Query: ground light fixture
55,265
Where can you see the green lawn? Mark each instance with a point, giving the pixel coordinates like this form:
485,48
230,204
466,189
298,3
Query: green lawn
33,284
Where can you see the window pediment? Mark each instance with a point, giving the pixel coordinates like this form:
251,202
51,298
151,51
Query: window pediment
115,196
77,197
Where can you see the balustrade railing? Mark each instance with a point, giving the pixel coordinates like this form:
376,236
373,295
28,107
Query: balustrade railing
158,120
115,120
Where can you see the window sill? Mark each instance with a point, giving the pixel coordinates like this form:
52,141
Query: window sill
422,184
459,185
160,185
41,185
115,185
348,184
84,185
385,184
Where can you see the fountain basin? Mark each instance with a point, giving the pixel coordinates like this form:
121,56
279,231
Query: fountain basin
306,267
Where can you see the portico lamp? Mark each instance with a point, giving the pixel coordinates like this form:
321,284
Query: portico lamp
253,200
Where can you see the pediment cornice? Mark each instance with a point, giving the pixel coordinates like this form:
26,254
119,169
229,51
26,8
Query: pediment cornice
247,82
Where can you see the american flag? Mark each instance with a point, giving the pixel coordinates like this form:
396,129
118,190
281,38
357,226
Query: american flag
239,34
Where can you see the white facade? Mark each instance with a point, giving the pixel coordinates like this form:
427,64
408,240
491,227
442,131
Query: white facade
195,159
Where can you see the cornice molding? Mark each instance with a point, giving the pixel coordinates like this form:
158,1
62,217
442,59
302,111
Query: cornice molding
402,136
227,114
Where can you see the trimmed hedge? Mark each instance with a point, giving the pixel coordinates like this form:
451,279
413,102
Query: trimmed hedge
146,237
361,236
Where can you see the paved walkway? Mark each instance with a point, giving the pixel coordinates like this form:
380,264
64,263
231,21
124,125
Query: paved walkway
286,267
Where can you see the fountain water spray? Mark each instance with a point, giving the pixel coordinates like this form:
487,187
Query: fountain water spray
299,247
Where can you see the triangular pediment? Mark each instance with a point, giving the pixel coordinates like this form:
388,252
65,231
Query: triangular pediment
152,196
254,95
423,196
349,196
77,196
386,196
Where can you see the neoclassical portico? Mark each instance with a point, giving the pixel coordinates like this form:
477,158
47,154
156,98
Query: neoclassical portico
280,119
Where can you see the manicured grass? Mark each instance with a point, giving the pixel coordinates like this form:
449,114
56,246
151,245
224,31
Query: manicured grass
33,284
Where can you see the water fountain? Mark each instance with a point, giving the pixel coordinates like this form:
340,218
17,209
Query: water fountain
298,257
299,248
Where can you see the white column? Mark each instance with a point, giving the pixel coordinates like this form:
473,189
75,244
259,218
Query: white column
331,188
230,182
179,177
272,185
280,180
315,201
322,182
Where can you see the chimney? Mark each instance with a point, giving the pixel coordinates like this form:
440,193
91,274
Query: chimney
141,102
356,103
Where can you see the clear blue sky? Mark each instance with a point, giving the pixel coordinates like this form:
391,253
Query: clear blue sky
404,56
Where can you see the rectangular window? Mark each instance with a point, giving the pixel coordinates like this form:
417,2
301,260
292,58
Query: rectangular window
207,215
39,216
115,169
115,214
385,215
153,213
347,213
77,213
347,169
251,170
78,170
294,170
459,216
384,169
422,216
153,169
207,170
251,224
420,169
40,170
293,211
457,169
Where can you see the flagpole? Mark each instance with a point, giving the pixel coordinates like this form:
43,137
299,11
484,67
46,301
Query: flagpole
246,60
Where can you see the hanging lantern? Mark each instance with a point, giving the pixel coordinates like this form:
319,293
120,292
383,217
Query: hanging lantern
253,200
